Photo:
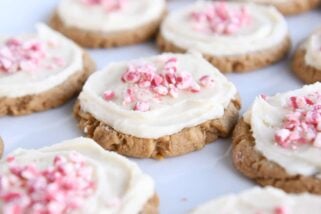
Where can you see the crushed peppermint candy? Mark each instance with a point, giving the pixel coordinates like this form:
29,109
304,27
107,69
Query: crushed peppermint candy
302,125
60,188
220,19
17,55
108,5
146,83
281,210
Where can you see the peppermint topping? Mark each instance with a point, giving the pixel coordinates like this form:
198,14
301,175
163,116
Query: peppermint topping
147,83
17,55
108,5
60,188
219,18
302,125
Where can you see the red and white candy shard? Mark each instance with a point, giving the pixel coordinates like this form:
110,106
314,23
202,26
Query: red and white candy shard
108,5
18,55
60,188
220,19
302,125
156,82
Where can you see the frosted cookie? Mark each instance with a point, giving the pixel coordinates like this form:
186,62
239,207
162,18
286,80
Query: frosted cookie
156,107
108,23
75,176
262,201
233,36
306,63
40,71
278,141
290,7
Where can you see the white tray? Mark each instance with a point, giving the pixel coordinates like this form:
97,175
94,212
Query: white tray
182,182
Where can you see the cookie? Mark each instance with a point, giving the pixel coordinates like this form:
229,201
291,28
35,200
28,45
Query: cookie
40,71
277,142
262,200
290,7
250,37
306,61
75,176
108,23
158,107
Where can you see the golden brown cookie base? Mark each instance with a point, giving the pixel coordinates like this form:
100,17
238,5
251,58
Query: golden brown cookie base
93,39
1,147
187,140
254,165
292,7
151,207
237,63
306,73
50,98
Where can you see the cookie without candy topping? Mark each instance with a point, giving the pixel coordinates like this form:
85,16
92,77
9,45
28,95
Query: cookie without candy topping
233,36
75,176
40,71
278,141
155,107
108,23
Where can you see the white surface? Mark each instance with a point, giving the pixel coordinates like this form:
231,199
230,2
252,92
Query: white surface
182,182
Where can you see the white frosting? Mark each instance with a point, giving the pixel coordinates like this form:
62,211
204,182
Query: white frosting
267,29
167,117
24,83
265,201
116,176
136,13
265,117
274,2
313,50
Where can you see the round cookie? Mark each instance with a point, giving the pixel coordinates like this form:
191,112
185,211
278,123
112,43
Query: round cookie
306,60
108,23
233,36
277,142
157,107
75,176
262,200
290,7
40,71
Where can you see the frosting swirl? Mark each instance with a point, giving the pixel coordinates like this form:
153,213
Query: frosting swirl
32,64
265,29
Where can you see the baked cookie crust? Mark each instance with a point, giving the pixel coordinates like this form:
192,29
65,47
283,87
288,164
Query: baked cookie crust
293,7
51,98
306,73
237,63
151,207
1,147
254,165
188,140
95,39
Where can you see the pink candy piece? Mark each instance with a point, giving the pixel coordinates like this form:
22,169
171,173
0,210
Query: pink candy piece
302,125
108,5
220,19
60,188
142,106
281,210
109,95
206,81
